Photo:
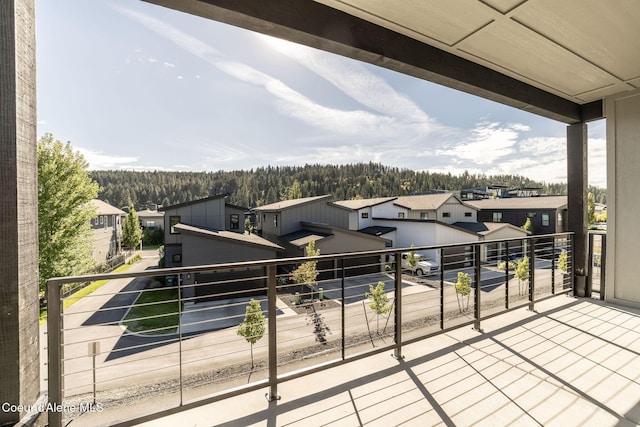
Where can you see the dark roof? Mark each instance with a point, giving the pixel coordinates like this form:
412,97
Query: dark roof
486,227
476,227
377,230
251,239
303,237
193,202
243,208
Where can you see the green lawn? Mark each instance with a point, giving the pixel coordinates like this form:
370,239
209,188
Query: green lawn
159,318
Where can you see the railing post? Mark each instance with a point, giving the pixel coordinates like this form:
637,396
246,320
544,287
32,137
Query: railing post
180,335
553,266
54,347
342,310
441,288
397,351
532,274
478,284
572,268
273,351
506,277
603,264
589,285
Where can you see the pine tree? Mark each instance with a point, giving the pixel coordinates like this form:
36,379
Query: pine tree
131,230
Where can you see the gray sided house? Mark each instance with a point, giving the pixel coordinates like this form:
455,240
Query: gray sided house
277,219
204,246
331,240
210,213
107,231
548,214
294,223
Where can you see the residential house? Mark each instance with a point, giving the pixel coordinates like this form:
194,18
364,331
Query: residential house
443,207
151,219
495,231
425,220
294,223
211,214
362,211
330,240
284,217
211,231
548,214
107,231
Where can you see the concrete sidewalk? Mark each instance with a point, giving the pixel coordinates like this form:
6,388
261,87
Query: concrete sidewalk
573,363
87,307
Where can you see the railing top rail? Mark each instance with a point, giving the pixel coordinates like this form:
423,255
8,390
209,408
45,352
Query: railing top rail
58,281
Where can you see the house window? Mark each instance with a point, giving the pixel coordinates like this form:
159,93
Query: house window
424,215
101,220
275,220
401,215
234,220
446,214
467,214
364,215
497,217
545,219
173,221
176,258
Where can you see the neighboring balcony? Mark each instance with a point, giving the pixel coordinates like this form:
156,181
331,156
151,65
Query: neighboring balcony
327,339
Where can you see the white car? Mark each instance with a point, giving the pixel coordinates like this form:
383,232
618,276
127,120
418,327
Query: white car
425,265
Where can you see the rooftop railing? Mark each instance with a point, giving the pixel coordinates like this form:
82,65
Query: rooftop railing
160,341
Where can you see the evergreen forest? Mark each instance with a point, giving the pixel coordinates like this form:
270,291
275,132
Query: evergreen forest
256,187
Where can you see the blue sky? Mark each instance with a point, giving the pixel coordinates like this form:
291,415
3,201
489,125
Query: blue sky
139,87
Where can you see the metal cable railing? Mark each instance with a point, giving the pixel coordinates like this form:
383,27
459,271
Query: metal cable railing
180,346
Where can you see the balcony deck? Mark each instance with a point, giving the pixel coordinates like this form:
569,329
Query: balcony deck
573,362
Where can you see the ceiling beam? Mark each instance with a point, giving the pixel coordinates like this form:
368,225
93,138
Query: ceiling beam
313,24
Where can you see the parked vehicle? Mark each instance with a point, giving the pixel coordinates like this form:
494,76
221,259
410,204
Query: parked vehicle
425,265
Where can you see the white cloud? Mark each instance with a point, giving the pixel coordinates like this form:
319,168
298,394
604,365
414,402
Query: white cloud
181,39
353,79
100,161
486,144
169,65
293,103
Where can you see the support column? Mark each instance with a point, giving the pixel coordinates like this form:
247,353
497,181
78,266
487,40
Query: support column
19,306
577,176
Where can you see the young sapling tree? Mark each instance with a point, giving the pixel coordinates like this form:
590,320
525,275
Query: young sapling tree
463,289
252,327
379,302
